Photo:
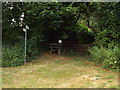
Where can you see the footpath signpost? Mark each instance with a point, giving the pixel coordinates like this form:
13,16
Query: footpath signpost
25,30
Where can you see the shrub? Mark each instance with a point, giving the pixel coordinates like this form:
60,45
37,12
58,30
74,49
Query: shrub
105,56
33,49
12,55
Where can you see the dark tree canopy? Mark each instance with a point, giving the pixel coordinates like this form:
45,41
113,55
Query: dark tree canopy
60,20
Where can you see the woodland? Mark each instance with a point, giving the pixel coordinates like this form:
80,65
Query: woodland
94,23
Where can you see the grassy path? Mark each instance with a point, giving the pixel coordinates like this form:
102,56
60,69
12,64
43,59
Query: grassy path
53,71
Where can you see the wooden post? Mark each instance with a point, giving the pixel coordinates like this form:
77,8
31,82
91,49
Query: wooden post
59,46
59,49
51,49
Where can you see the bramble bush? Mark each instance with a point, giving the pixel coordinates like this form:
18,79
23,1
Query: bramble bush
105,56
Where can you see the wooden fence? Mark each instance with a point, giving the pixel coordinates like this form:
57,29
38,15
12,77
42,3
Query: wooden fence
55,47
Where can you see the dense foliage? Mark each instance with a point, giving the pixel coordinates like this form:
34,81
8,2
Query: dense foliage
12,55
108,23
107,57
89,22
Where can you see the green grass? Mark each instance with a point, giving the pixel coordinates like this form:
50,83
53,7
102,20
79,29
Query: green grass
53,71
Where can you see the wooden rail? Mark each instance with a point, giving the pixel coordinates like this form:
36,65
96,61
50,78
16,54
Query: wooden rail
55,47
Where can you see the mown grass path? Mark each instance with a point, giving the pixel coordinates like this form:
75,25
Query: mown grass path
53,71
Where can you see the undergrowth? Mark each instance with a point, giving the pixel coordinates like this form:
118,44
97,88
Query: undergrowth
105,56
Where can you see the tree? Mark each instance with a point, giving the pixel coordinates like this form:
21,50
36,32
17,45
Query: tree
108,23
